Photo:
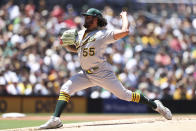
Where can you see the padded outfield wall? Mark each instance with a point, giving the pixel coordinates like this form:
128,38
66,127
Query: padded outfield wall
39,104
46,104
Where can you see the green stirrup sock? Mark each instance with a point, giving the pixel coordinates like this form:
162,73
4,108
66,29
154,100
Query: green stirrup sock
61,103
139,98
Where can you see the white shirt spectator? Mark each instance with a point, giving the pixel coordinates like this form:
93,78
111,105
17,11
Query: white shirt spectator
40,89
2,80
13,12
11,89
11,76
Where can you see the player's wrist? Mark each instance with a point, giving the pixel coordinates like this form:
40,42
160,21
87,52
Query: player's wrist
124,17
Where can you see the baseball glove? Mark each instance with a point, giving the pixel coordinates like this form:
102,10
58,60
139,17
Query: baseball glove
69,37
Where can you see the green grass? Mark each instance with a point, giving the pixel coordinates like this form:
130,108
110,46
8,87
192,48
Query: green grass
10,124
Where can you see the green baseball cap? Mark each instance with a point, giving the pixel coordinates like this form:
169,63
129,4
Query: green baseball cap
93,12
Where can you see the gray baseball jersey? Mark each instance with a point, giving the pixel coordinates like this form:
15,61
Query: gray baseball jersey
92,47
96,70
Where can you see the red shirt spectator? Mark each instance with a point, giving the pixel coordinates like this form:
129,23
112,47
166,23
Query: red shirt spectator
57,11
175,44
162,58
29,9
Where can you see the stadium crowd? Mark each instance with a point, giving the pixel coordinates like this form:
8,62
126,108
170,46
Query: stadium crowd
158,57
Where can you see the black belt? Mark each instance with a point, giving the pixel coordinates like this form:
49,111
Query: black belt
91,70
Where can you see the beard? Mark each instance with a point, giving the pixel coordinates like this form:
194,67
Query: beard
87,24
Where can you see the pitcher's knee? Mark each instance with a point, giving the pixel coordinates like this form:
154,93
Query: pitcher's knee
65,92
66,87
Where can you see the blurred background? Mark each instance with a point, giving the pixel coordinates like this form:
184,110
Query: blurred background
158,58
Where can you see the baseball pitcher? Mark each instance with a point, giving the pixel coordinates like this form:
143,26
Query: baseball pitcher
90,44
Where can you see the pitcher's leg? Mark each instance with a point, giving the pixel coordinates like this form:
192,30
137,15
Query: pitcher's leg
115,86
74,84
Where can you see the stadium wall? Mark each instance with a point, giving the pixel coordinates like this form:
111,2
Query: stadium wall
39,104
46,104
120,106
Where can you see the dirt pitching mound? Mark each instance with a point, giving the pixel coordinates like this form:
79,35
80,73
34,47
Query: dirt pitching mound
140,124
